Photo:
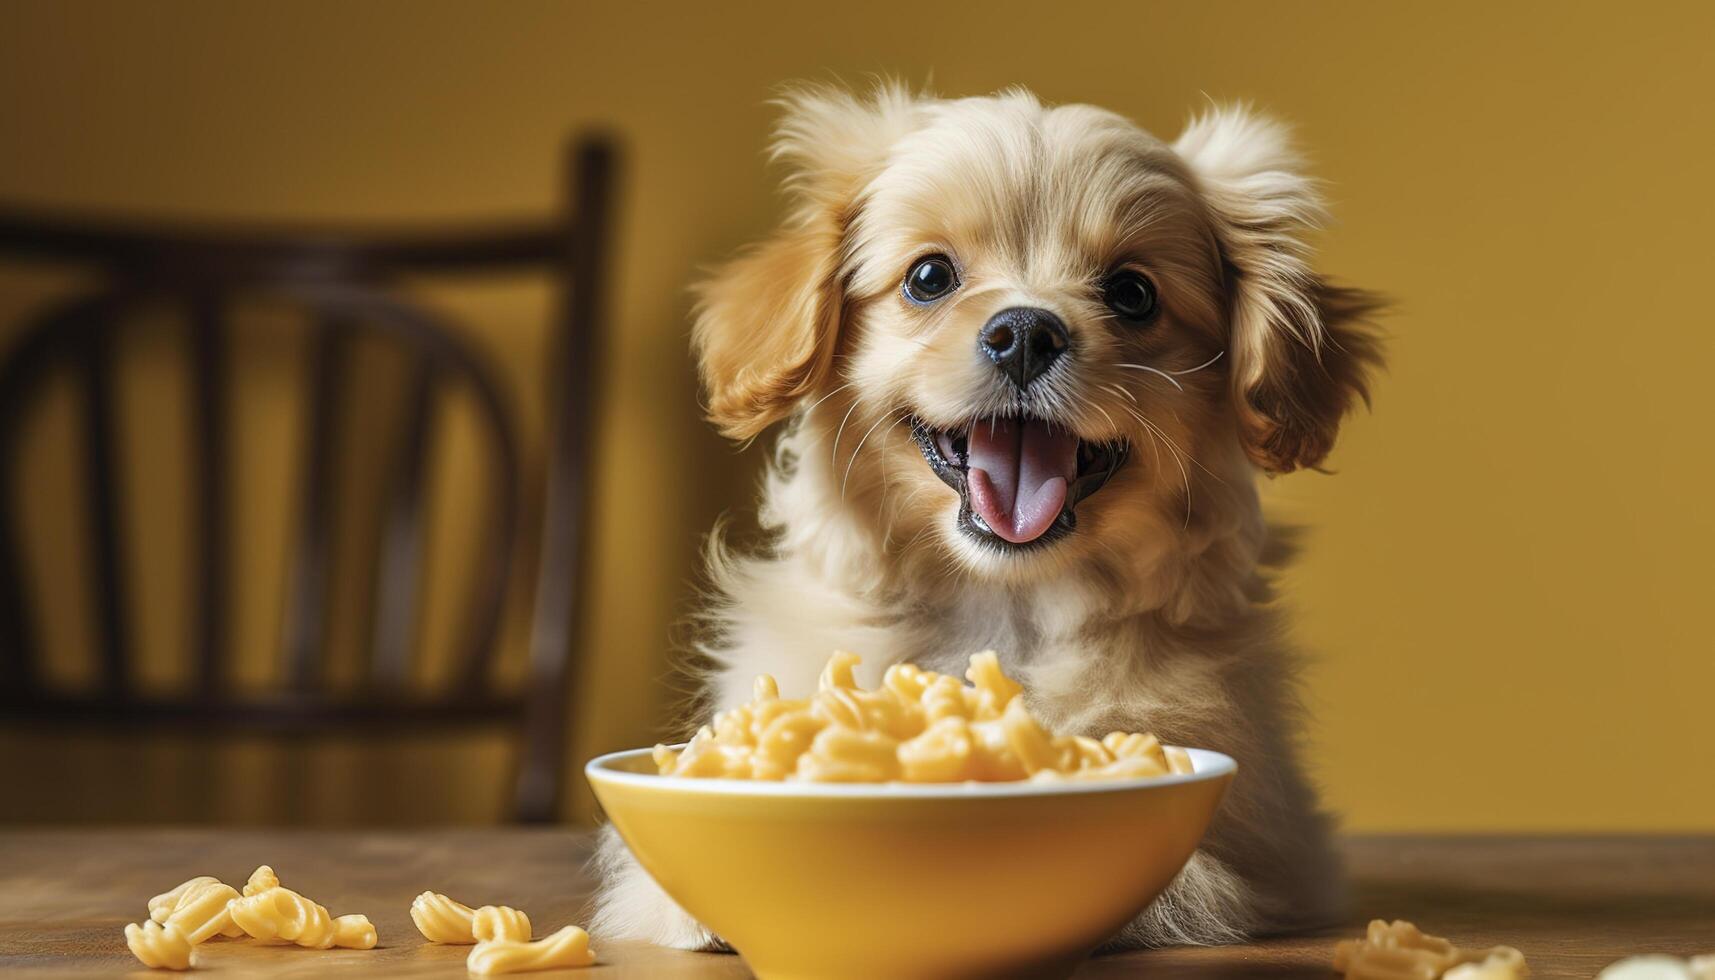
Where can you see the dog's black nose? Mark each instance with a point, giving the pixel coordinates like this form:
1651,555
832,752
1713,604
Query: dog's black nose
1023,341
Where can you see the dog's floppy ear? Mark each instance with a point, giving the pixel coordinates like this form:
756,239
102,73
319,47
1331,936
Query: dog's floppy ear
768,322
1301,348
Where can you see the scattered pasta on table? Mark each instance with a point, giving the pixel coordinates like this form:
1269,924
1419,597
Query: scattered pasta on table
270,913
1400,951
205,907
917,727
501,936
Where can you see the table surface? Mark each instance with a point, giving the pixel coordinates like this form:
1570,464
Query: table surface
1571,904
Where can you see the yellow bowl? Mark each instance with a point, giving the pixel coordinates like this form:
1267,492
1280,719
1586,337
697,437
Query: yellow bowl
822,881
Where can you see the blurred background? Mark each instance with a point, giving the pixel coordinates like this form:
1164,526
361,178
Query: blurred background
1504,593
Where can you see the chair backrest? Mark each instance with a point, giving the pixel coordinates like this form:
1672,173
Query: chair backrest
80,336
348,285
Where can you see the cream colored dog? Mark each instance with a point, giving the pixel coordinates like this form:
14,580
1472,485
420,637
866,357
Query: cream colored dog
1031,361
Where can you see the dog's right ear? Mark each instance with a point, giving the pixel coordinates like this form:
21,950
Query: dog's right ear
1301,348
768,322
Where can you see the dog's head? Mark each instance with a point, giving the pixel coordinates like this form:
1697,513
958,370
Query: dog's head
1027,333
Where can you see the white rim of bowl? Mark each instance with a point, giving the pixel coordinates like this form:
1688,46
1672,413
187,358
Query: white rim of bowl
1205,763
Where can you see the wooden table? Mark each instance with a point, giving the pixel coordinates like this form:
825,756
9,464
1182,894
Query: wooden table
1572,905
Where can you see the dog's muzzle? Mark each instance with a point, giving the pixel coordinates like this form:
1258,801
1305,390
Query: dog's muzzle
1019,480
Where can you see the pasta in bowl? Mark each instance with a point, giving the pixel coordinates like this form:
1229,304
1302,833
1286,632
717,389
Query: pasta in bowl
923,829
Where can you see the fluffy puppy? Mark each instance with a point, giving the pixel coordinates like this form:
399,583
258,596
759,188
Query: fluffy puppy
1031,361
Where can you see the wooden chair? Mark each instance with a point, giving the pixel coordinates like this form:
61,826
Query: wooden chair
349,284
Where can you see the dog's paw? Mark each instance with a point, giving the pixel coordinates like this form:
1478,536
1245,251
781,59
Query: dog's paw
1207,905
630,905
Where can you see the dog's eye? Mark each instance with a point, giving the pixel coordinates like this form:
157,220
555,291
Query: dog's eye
1130,295
930,279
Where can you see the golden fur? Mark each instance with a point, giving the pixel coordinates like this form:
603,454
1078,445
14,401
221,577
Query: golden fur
1154,614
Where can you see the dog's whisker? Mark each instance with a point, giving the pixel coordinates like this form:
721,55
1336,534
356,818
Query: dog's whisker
927,529
1184,474
1218,355
1121,390
1157,435
1112,425
886,488
892,416
827,396
1088,402
1153,370
834,453
1180,449
1154,441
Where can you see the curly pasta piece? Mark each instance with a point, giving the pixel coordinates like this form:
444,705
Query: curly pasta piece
839,673
845,755
282,914
1178,761
942,754
500,922
570,947
1028,741
202,913
1400,951
162,905
159,946
944,697
199,908
442,920
993,688
354,932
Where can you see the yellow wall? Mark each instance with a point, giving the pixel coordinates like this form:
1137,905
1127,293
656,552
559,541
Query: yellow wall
1506,587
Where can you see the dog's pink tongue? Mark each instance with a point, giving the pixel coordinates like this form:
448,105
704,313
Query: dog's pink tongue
1019,472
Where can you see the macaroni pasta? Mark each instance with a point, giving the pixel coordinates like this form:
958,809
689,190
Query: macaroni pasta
917,727
208,897
442,920
162,905
201,913
1401,951
354,932
570,947
193,913
279,913
201,908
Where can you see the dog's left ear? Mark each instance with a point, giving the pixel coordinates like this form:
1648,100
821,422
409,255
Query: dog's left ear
1301,349
767,324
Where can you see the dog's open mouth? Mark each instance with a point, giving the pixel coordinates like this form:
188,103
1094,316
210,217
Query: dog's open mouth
1019,479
